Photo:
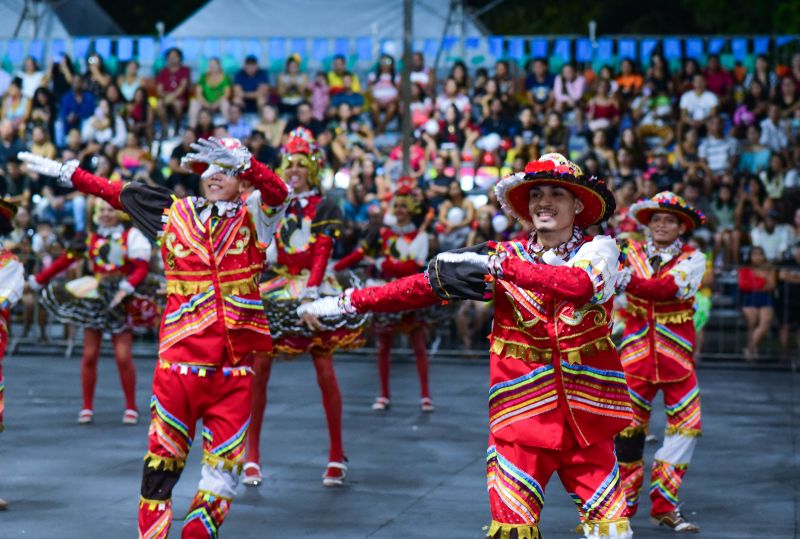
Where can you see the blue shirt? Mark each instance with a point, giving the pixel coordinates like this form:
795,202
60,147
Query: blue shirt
82,110
248,83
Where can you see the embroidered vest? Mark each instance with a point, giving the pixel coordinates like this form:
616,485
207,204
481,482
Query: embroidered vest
553,367
214,314
659,336
107,254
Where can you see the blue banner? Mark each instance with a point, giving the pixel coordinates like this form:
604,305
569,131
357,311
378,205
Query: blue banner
319,49
102,46
233,48
191,49
583,50
761,45
298,46
212,48
364,48
739,48
647,47
253,48
716,44
562,48
627,49
80,48
124,49
57,49
472,43
539,48
147,49
605,50
341,47
277,48
495,44
449,43
694,48
516,48
36,49
672,48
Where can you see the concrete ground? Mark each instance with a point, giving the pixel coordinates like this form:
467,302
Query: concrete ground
411,475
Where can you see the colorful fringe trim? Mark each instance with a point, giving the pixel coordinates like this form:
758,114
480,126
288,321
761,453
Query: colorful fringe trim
498,530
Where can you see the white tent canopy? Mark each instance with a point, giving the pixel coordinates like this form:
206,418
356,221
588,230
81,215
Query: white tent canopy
54,19
380,19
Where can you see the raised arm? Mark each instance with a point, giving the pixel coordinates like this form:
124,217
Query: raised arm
73,253
144,203
589,276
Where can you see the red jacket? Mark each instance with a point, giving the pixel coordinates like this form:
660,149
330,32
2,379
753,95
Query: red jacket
553,368
658,340
214,313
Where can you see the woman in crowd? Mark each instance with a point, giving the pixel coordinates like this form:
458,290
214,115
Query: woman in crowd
383,84
757,283
212,92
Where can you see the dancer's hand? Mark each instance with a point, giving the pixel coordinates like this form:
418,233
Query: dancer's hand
218,157
118,298
311,322
50,167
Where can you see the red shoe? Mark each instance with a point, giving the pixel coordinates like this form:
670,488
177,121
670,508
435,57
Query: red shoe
252,474
334,474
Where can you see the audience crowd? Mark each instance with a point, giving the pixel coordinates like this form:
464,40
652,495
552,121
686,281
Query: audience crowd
727,140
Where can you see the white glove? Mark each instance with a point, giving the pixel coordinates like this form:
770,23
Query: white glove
623,280
218,157
33,284
50,167
327,306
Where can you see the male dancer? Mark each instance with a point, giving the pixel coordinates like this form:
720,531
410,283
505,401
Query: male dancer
660,278
558,394
12,282
213,322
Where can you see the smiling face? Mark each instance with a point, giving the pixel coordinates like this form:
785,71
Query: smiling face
106,215
665,228
220,186
553,208
296,173
401,211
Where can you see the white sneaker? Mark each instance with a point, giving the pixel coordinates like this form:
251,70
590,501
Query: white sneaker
85,416
252,475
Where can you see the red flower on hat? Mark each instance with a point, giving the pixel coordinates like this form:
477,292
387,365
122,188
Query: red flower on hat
563,169
297,145
539,166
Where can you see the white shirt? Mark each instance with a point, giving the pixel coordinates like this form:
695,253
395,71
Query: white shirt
698,107
773,244
773,136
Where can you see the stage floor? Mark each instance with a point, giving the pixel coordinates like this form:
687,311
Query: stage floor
411,475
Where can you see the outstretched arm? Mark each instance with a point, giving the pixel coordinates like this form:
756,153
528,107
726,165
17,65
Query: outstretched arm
681,282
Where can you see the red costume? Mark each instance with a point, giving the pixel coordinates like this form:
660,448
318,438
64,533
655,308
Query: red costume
12,282
557,391
399,251
297,258
118,260
213,324
657,353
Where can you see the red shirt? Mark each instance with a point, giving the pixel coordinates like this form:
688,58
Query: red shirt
170,80
720,82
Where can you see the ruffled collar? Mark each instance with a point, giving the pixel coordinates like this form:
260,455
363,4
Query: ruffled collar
302,198
563,251
222,208
110,231
663,255
401,230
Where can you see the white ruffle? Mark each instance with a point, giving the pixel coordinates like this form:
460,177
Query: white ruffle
12,282
267,219
139,248
688,275
501,190
599,258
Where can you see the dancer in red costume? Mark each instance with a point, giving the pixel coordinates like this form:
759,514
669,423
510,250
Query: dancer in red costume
12,282
296,272
558,394
397,251
213,323
118,259
660,279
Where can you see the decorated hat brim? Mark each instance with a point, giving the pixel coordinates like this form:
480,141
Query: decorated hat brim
689,218
513,193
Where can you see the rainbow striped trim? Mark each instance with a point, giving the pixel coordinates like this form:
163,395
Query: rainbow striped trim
231,449
191,317
666,481
522,398
596,391
683,417
172,433
518,491
608,501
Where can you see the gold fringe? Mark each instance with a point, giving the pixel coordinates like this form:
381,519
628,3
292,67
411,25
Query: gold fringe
239,287
622,525
165,463
632,464
675,317
522,351
186,288
216,461
498,530
630,432
152,504
689,433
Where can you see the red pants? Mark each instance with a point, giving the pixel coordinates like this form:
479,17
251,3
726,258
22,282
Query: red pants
517,476
182,395
682,403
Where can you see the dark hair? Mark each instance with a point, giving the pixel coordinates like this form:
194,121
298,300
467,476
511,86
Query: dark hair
383,61
175,50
